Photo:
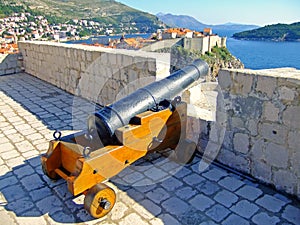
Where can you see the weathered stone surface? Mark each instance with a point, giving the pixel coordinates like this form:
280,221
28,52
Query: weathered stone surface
285,180
249,192
245,209
294,139
242,84
270,203
289,117
266,85
261,171
225,79
248,107
277,155
241,143
287,94
270,112
274,132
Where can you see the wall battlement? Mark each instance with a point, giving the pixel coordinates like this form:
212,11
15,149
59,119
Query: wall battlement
95,73
254,128
257,126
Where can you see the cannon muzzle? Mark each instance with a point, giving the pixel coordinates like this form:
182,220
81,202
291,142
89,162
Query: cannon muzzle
105,121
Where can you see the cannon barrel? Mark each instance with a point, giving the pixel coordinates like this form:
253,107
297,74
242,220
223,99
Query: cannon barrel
105,121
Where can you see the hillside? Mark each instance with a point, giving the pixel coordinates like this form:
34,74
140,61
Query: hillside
193,24
181,21
276,32
103,11
217,59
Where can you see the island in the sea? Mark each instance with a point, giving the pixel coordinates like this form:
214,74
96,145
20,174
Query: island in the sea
276,32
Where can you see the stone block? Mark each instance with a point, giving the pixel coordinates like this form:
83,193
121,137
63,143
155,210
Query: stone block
289,117
112,59
235,219
285,180
294,139
252,126
274,132
140,62
132,75
270,203
247,107
127,61
237,122
257,150
250,193
224,79
217,213
201,202
292,214
264,218
266,85
286,94
242,84
270,112
277,155
234,160
175,206
226,198
152,65
241,143
97,56
295,164
261,171
245,209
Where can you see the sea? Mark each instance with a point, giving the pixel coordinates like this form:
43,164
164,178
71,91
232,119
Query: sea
263,54
253,54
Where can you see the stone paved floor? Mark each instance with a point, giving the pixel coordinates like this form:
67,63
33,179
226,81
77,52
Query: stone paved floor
152,191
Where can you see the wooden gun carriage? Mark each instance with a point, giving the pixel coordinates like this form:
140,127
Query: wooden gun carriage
119,134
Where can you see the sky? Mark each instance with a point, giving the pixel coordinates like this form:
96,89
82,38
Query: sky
258,12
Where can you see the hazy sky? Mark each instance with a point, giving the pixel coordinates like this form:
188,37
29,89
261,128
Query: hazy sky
259,12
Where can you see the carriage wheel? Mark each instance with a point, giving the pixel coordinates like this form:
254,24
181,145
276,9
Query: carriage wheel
99,200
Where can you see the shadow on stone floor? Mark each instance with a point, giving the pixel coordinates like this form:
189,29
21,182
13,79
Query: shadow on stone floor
54,107
27,192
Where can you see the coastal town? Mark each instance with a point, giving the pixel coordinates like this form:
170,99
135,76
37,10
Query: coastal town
26,27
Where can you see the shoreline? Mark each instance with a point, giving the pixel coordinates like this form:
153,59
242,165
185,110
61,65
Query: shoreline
265,39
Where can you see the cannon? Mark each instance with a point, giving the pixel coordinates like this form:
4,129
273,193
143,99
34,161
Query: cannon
151,119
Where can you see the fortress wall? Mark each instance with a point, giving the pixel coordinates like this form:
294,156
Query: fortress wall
248,121
256,129
95,73
10,64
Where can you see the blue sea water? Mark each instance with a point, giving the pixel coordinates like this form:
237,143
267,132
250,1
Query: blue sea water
263,54
254,54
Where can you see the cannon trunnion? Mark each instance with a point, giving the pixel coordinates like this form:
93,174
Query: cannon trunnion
115,139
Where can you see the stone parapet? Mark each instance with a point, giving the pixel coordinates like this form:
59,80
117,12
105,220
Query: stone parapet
10,64
248,120
262,128
95,73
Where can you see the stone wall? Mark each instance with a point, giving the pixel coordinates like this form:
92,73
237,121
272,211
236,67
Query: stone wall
97,74
248,121
257,127
162,44
10,64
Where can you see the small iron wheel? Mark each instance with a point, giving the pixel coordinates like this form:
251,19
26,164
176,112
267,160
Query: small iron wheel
99,200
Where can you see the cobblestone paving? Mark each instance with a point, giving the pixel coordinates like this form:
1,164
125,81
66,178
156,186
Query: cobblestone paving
153,191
